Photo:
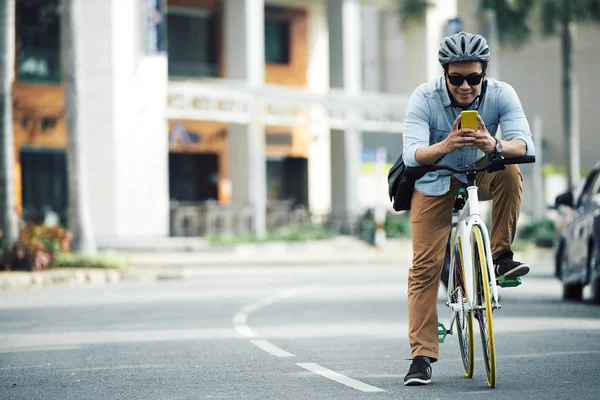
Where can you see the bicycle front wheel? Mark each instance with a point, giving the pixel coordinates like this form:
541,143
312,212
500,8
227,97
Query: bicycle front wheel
483,305
464,319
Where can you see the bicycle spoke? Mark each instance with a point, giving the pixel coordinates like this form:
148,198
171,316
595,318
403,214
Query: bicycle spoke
483,311
464,321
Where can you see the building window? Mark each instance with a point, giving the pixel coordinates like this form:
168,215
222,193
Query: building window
38,41
44,184
277,41
193,177
192,48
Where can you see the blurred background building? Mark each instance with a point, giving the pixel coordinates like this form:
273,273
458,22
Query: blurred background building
223,115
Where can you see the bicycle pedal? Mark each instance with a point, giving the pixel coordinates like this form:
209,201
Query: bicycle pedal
509,282
442,332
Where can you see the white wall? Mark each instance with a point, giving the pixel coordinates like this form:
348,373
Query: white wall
124,98
140,87
98,122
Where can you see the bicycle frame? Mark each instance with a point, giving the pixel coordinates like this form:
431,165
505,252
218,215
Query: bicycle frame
468,218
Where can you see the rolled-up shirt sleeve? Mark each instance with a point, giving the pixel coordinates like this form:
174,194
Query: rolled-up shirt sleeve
513,122
416,128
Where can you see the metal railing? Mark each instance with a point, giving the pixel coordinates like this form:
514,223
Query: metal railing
213,219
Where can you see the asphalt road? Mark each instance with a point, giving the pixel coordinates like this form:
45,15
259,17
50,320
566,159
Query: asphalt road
288,333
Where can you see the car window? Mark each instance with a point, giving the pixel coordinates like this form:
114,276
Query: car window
577,192
589,188
596,187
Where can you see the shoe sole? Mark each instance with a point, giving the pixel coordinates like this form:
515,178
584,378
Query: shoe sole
515,272
416,382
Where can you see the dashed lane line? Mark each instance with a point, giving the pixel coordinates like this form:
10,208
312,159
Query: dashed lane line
240,323
271,348
337,377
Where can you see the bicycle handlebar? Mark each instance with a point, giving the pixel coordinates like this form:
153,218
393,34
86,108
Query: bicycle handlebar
418,172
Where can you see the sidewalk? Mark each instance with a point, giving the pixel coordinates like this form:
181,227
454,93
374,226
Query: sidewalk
181,259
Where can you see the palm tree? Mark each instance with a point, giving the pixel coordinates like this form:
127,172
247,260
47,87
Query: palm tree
556,15
9,227
80,221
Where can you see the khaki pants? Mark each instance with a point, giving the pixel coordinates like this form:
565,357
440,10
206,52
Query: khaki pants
431,218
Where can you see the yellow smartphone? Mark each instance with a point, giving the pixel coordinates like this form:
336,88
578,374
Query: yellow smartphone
469,120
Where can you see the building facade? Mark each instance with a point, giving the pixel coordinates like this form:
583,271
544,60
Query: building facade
195,110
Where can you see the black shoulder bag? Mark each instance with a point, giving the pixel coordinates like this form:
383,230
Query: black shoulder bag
400,186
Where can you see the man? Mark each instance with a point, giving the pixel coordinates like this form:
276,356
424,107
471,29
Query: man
432,134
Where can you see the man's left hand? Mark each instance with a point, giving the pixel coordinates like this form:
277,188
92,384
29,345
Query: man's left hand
483,140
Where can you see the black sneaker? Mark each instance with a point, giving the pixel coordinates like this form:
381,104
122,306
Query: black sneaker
510,268
419,373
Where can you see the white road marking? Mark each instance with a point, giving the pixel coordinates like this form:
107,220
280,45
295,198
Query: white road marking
271,348
246,331
241,317
337,377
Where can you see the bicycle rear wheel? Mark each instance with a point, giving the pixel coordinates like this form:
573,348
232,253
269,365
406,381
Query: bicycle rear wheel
464,319
483,306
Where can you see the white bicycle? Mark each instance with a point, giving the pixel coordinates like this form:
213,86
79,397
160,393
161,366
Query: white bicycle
472,288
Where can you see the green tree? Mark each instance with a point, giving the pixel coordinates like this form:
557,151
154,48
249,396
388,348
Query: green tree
80,221
557,17
9,225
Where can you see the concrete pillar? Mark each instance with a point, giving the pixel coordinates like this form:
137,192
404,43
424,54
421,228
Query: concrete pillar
345,62
319,155
124,92
245,60
372,21
393,53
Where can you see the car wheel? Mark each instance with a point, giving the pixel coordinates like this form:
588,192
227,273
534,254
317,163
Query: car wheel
571,291
594,279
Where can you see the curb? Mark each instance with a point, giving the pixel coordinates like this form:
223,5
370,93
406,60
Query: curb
184,268
71,276
179,266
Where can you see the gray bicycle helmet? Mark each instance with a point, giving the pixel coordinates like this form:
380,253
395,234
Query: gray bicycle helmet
464,46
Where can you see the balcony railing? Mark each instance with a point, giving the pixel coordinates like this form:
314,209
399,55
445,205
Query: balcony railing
235,102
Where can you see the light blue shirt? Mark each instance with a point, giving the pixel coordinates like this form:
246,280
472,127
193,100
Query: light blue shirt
429,120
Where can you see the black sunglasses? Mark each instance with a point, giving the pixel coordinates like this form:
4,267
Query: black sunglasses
472,80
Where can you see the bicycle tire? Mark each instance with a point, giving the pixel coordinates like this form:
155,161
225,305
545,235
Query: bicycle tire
464,319
483,306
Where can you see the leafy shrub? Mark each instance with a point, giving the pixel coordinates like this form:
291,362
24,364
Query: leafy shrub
542,233
288,234
98,260
37,247
398,226
300,233
545,237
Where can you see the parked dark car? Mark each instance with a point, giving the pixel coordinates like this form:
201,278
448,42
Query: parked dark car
577,249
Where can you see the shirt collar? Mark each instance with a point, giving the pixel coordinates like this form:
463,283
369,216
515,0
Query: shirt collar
444,92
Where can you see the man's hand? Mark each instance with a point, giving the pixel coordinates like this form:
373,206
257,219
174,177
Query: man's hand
483,140
458,138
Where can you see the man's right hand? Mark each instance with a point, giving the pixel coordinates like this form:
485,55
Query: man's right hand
458,138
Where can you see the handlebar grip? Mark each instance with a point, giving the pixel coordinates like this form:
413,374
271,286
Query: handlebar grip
519,160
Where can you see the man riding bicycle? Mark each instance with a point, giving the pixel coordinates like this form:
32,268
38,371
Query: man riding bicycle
432,134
